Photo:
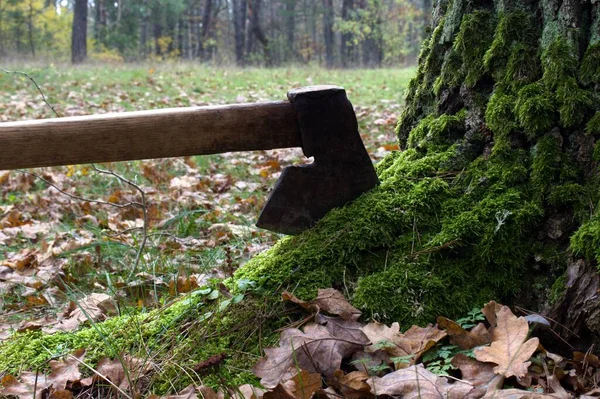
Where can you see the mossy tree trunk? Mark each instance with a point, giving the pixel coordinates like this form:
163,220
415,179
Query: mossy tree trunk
496,190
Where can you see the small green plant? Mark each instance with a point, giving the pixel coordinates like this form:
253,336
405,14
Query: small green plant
471,319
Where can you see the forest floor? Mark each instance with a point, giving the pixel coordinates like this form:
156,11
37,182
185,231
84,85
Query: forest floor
79,244
56,247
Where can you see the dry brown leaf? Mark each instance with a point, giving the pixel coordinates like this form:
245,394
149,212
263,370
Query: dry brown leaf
303,384
510,348
475,372
314,350
61,394
24,389
347,330
490,310
329,300
416,381
462,338
187,393
279,392
93,307
366,361
413,342
114,371
65,371
250,392
353,385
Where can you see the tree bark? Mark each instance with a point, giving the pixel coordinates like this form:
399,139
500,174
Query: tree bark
254,7
328,32
79,32
347,47
100,21
290,30
239,27
205,49
30,25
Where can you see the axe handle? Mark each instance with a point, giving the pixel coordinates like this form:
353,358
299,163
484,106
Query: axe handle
160,133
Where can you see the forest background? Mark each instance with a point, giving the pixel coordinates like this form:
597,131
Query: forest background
331,33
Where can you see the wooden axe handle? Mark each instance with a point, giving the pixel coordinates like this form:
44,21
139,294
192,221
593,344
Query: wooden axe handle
163,133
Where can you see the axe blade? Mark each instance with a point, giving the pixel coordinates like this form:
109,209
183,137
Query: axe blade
341,171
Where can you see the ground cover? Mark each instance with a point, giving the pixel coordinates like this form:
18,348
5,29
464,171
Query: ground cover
134,240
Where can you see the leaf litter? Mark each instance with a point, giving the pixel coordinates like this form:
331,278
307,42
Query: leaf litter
337,356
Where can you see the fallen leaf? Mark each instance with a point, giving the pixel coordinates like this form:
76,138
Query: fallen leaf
303,384
329,300
414,342
510,348
477,373
490,310
279,392
416,381
462,338
347,330
314,350
354,384
92,307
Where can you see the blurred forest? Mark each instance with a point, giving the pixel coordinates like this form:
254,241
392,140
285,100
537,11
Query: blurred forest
331,33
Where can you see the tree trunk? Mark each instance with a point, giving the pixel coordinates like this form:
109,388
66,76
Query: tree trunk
205,50
79,32
290,30
328,32
30,25
256,31
100,21
239,27
346,45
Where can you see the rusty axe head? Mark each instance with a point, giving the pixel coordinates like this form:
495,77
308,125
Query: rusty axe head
341,171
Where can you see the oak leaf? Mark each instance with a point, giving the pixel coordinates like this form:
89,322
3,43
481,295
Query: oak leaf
413,343
510,348
462,338
416,381
303,384
353,385
477,373
329,300
314,350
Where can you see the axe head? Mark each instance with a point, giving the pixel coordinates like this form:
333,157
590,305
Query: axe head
341,171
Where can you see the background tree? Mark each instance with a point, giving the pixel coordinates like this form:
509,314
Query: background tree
79,32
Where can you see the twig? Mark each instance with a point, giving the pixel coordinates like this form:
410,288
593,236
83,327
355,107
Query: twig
78,198
144,208
36,86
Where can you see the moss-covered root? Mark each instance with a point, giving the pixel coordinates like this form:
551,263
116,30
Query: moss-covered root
172,340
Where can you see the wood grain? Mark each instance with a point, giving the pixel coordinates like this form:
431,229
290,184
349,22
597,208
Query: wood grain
148,134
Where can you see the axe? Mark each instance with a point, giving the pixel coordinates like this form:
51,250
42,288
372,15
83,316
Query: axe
320,119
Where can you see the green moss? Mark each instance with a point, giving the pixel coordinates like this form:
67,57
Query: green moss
464,63
593,125
586,240
589,71
442,130
535,109
559,62
546,162
513,28
523,66
499,113
558,288
565,194
573,102
178,329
